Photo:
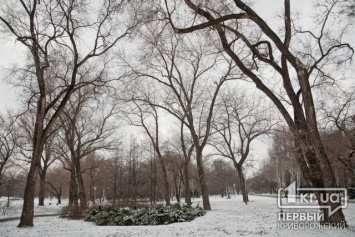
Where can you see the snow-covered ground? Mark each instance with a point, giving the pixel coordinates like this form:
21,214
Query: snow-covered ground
15,207
229,217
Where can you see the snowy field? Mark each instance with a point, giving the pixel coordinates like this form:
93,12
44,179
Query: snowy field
229,217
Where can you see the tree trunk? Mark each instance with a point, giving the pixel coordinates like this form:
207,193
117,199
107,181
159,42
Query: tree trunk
8,194
177,191
187,184
242,183
59,195
166,182
316,177
29,194
153,181
202,179
81,187
42,190
38,145
73,187
318,173
115,177
316,168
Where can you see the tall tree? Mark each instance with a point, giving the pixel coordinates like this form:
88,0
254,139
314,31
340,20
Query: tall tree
142,114
48,157
84,133
298,69
241,120
181,67
51,31
185,147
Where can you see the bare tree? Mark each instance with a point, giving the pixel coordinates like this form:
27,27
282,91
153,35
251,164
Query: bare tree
56,192
340,115
8,140
51,31
57,180
335,143
182,70
238,25
224,178
242,119
265,180
84,133
175,165
47,159
185,147
142,114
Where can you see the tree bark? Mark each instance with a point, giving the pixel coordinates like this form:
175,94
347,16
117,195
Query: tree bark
81,187
73,187
316,177
166,182
153,181
59,195
242,183
177,187
187,184
42,191
29,194
202,179
38,145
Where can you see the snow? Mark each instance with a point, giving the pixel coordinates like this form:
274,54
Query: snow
15,208
229,217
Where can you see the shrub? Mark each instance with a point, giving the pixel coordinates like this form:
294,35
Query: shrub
159,215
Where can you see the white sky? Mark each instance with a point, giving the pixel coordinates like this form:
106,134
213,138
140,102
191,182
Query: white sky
12,52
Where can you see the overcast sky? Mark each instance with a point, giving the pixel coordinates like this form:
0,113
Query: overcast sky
12,52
